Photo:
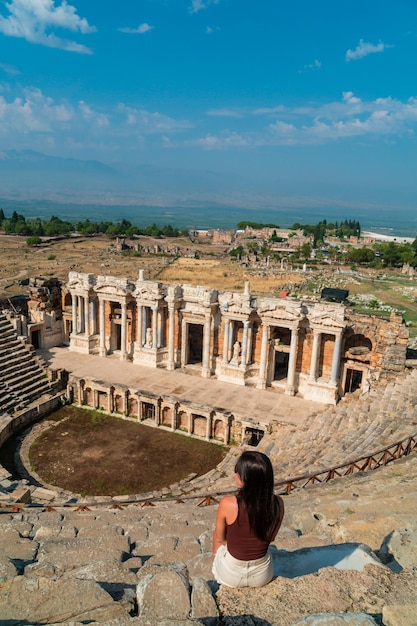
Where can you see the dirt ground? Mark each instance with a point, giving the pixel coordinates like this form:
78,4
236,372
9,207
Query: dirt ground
90,453
98,255
213,269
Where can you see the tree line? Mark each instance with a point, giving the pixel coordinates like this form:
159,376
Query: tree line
36,228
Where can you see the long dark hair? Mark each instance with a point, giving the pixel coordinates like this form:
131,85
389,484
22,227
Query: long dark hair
256,473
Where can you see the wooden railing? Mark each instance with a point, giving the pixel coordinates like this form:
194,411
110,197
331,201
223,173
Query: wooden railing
283,487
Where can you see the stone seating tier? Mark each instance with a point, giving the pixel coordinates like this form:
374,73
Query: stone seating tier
22,377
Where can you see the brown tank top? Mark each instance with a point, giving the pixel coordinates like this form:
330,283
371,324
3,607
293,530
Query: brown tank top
242,543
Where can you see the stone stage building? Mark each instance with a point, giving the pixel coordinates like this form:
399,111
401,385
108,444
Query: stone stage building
316,349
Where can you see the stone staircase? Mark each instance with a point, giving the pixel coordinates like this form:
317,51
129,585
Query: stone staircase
359,426
22,377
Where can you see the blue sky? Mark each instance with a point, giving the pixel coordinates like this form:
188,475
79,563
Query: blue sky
305,99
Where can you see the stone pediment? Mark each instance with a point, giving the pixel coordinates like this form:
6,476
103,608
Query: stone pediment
235,304
200,295
112,286
149,292
278,311
82,281
327,321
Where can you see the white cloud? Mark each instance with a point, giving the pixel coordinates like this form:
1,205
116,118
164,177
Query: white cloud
9,69
316,65
31,118
224,113
142,28
351,117
150,122
364,48
99,119
226,140
33,20
32,113
212,29
198,5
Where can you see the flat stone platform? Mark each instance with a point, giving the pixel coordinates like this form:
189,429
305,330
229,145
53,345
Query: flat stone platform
244,402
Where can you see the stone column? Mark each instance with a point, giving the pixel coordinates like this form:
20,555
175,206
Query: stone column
336,358
315,355
102,347
123,333
290,387
226,431
171,337
86,316
184,343
206,346
139,325
81,314
244,355
93,313
154,327
226,341
264,353
73,314
230,343
208,427
160,327
250,342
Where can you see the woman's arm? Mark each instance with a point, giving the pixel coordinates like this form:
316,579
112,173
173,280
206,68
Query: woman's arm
224,513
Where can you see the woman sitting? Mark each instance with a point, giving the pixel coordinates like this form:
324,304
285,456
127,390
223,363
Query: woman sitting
246,524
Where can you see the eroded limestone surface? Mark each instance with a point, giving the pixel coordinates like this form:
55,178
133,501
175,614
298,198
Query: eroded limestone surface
72,567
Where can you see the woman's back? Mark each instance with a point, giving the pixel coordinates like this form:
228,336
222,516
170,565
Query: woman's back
242,541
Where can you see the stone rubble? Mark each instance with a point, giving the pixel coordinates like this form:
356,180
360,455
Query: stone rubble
152,565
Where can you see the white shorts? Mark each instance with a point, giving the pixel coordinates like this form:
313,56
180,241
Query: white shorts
235,573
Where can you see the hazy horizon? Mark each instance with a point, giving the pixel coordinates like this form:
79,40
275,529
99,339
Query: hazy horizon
230,102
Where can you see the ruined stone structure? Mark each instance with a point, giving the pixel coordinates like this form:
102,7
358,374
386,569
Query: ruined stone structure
318,350
44,319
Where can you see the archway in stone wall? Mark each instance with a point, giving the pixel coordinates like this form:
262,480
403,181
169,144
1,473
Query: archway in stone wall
218,430
89,396
132,406
280,352
356,360
102,400
199,425
358,341
324,365
182,421
148,411
166,416
118,403
195,344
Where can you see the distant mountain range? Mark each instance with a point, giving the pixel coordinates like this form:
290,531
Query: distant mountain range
30,171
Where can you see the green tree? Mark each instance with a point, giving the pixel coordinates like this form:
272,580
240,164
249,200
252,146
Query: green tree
306,251
237,252
33,241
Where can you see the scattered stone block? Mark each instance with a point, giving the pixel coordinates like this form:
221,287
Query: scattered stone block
163,595
44,495
44,601
22,494
203,604
400,545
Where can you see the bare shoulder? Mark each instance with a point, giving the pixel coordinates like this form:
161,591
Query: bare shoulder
228,508
228,502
